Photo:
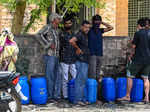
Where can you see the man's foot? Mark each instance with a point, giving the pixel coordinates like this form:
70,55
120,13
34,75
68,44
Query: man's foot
146,100
80,104
65,100
87,103
98,102
51,101
58,100
124,99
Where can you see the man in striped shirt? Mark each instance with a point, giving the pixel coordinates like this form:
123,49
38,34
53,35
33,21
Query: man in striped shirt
49,38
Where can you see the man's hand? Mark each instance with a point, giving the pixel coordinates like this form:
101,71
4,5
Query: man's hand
79,51
74,44
108,27
52,46
129,58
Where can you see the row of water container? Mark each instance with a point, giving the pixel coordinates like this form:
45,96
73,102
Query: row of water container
111,89
36,92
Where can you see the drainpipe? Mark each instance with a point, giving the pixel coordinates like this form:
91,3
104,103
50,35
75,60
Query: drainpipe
51,9
93,11
54,6
86,13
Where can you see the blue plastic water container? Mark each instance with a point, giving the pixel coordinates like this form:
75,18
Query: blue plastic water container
108,89
85,94
23,81
71,92
91,93
121,87
38,90
137,90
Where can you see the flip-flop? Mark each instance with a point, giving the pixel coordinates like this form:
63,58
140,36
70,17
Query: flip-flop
99,102
81,104
87,103
122,99
145,102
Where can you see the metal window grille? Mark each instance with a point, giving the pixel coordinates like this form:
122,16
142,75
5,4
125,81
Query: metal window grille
136,10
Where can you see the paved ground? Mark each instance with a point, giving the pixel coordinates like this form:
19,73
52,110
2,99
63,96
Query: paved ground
106,107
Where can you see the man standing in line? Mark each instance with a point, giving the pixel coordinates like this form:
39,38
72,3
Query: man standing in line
140,60
50,37
67,55
95,44
80,43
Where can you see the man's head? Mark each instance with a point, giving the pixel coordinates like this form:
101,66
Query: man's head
55,19
147,23
68,22
96,21
85,27
141,23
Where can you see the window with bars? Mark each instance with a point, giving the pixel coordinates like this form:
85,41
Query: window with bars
137,9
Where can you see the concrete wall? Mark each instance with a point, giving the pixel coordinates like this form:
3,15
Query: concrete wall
114,58
30,49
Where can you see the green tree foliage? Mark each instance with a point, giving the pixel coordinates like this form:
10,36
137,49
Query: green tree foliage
74,5
43,5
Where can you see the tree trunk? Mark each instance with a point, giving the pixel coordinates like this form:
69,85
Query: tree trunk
17,22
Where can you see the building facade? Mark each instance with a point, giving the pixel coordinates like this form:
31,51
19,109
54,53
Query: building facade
121,14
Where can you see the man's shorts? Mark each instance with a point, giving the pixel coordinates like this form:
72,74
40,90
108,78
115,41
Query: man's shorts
136,69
